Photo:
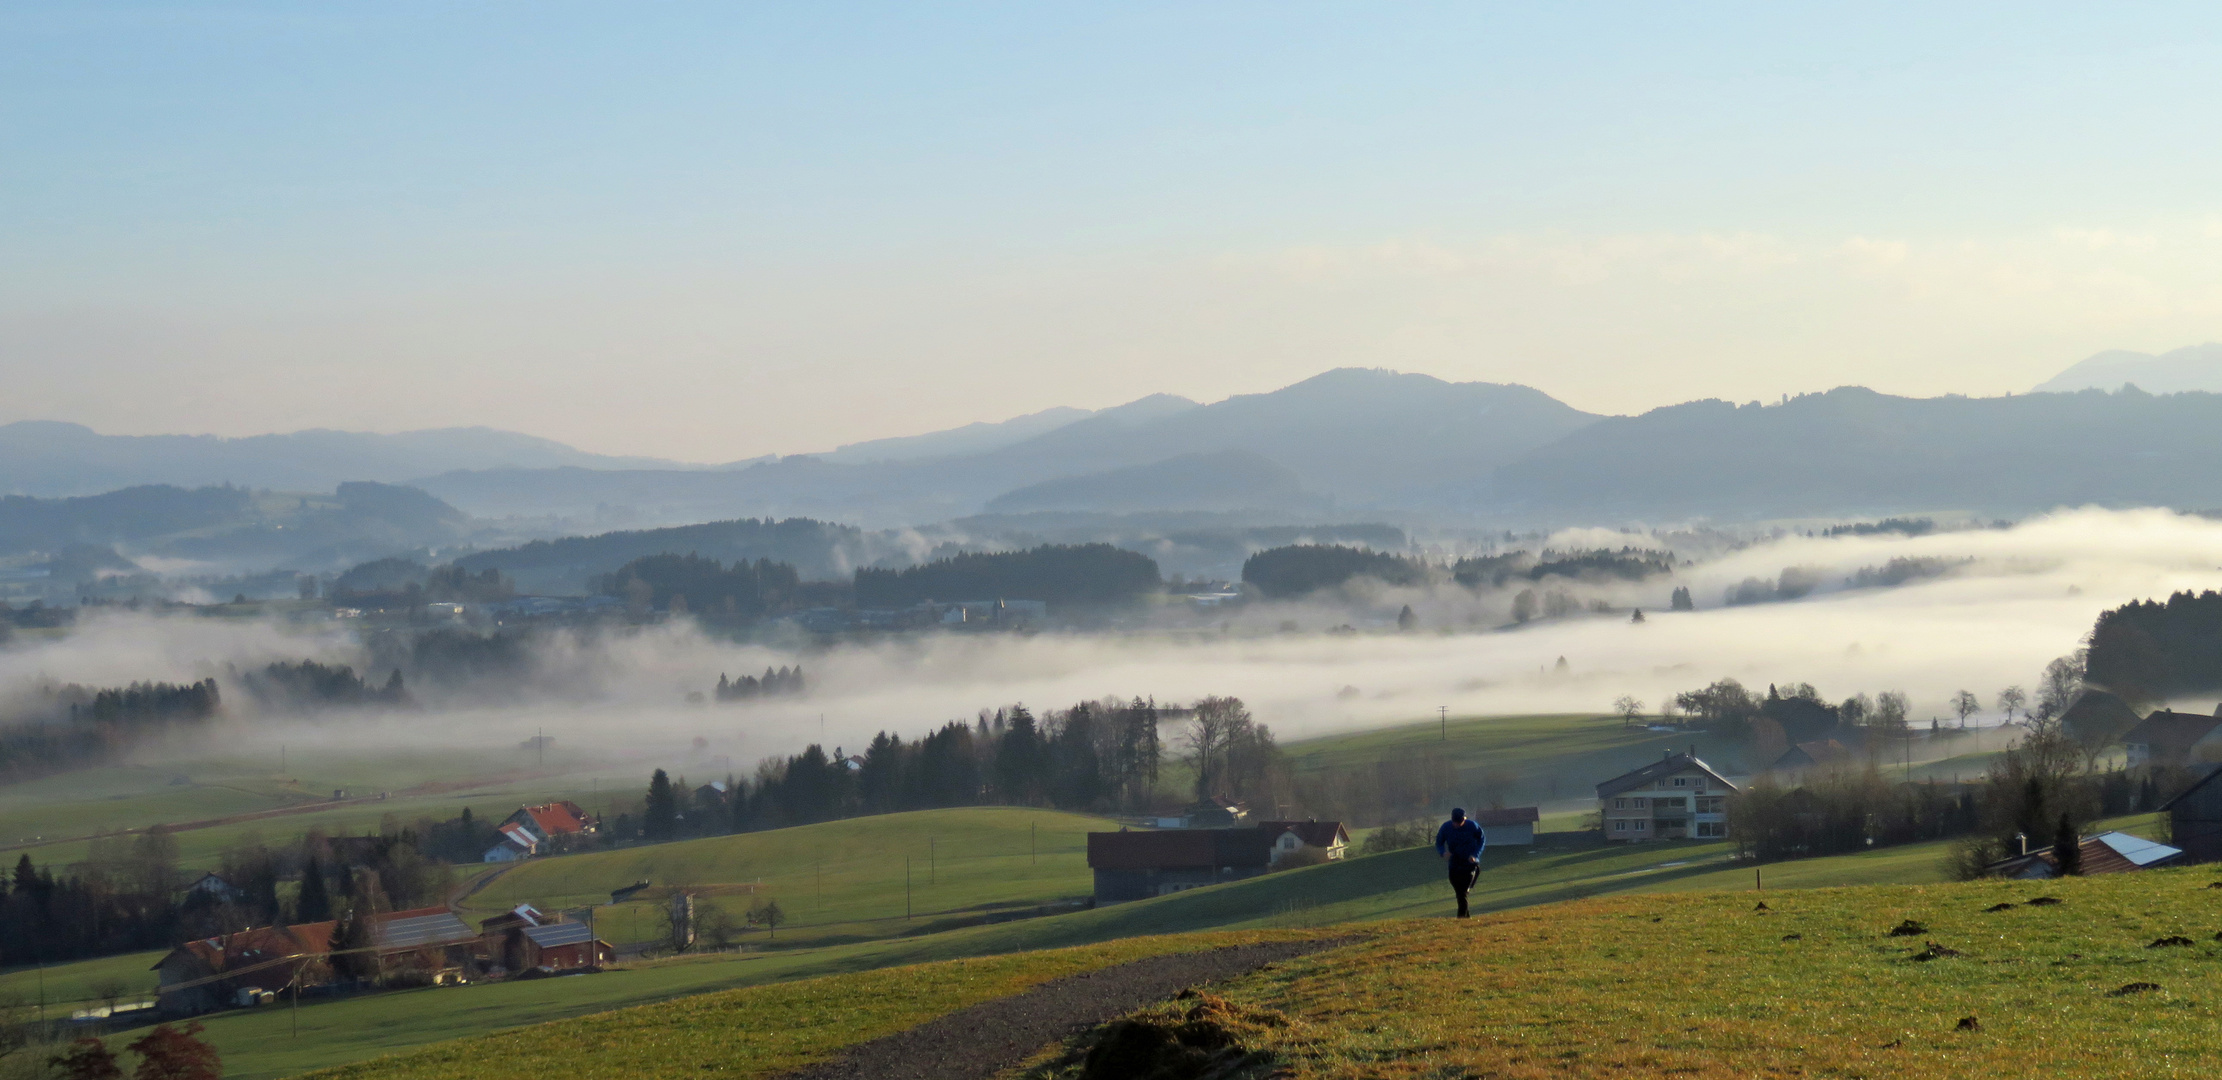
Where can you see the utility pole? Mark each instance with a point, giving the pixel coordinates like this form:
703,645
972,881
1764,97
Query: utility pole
906,888
1442,716
540,743
296,999
933,876
281,759
1030,843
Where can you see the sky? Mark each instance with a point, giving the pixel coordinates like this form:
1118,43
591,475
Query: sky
712,231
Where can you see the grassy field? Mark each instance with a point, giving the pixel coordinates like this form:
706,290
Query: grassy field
838,881
1533,759
76,984
1700,984
762,1031
1706,985
48,817
1397,885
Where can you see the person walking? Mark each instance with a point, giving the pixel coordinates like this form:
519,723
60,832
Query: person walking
1459,843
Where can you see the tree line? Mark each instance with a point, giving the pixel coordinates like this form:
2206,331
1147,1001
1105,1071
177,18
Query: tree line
779,682
1101,756
73,726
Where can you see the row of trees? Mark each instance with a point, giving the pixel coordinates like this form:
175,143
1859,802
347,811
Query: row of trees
310,686
1055,573
1097,755
75,726
780,682
2147,651
691,583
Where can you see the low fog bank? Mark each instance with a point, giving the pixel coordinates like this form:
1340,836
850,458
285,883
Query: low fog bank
2006,601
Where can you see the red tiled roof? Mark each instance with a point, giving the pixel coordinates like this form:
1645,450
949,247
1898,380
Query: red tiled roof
557,818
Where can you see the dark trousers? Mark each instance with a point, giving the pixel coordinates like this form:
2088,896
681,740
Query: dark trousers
1463,873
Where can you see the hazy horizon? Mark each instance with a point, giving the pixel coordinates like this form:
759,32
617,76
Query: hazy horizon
708,234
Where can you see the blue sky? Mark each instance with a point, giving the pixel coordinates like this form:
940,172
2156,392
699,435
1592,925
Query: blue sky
832,222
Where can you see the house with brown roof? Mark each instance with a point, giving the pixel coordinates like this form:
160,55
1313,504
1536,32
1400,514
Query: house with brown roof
2167,738
1289,838
525,938
430,941
1135,865
1676,797
1806,758
551,820
207,973
2106,853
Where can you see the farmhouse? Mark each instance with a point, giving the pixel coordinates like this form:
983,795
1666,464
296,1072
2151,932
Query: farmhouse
1291,838
2106,853
527,939
1676,797
2168,738
2195,819
429,940
1138,865
1807,758
207,973
1216,813
1514,827
531,828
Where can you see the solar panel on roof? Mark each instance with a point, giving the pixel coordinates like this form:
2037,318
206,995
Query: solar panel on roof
439,929
555,934
2137,849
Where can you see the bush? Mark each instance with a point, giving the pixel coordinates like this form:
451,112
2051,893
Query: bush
1418,832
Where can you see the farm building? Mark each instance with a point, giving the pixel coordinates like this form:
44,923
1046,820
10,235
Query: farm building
1676,797
1807,758
430,940
1138,865
525,938
2168,738
1291,837
207,973
2106,853
2195,819
1511,827
1215,813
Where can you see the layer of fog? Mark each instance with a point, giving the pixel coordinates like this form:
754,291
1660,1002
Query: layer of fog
2014,599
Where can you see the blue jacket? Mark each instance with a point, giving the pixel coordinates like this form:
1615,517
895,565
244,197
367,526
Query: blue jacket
1460,839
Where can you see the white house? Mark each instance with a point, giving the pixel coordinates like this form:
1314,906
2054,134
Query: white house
1674,798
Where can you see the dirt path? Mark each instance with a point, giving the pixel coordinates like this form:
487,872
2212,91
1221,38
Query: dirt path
977,1042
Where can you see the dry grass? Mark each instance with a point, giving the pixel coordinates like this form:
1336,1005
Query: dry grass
759,1031
1707,986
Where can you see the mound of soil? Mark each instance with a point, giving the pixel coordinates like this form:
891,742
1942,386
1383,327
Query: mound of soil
1202,1042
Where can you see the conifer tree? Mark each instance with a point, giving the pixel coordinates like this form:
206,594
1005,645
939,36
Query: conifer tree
2067,848
660,818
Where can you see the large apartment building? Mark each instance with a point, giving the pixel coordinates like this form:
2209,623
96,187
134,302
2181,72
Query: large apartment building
1674,798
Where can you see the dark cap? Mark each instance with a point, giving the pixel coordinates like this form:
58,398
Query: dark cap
1458,813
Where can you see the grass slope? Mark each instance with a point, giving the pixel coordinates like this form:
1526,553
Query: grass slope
1704,985
257,1044
1536,759
760,1031
838,881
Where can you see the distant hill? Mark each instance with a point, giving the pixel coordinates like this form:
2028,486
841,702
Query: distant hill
1369,439
232,528
2194,367
818,550
1214,480
980,438
50,458
1854,451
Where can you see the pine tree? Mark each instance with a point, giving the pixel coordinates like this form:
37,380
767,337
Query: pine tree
2067,848
660,819
314,904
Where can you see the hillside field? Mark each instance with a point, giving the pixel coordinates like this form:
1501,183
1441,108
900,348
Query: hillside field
837,881
2120,978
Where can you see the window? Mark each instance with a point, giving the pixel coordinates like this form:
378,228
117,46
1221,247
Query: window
1642,825
1711,828
1620,826
1680,781
1620,804
1639,804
